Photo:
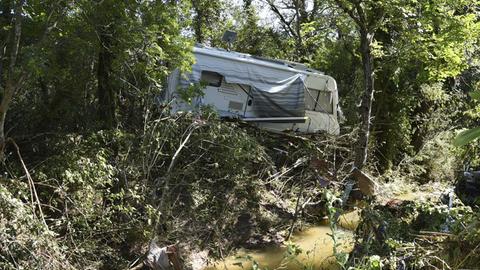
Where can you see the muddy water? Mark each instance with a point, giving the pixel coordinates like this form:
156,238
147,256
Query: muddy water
315,242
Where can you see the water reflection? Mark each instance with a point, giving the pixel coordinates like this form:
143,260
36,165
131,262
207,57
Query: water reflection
316,244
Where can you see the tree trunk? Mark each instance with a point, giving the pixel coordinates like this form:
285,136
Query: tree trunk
301,18
10,86
198,21
106,94
6,99
367,99
298,30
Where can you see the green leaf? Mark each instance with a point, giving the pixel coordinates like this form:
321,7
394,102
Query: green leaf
466,136
475,95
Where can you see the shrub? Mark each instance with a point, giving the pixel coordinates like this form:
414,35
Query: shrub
25,243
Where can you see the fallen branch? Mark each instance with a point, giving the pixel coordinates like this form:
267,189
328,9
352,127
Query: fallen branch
297,209
428,233
189,132
31,183
468,256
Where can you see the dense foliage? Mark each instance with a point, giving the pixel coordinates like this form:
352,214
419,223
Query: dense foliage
93,167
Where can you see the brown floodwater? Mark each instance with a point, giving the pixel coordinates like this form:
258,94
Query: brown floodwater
315,242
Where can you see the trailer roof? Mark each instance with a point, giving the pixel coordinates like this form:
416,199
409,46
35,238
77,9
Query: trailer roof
280,64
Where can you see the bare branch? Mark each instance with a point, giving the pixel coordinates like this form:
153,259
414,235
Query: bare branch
31,184
287,24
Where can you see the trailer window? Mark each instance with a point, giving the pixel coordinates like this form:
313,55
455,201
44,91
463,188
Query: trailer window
319,101
211,78
324,102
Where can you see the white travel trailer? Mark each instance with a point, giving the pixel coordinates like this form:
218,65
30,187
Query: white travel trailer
275,95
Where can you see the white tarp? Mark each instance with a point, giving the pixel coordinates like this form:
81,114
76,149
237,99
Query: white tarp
276,92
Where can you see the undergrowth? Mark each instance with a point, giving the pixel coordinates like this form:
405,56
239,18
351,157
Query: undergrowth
192,180
411,235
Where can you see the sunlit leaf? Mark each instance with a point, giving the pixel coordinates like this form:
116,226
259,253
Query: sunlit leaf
467,136
475,95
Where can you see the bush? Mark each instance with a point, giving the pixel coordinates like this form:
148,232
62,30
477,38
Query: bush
437,160
25,243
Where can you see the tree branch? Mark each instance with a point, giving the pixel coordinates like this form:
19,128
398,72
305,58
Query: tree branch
3,51
313,13
16,37
284,21
31,183
349,11
361,13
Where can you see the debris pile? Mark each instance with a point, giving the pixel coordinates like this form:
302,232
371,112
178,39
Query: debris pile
403,234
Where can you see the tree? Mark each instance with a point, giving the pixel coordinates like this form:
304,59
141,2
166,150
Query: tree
411,43
107,16
206,17
293,15
252,37
12,82
91,56
368,17
44,16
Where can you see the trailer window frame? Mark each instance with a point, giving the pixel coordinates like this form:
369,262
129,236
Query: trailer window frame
208,77
319,105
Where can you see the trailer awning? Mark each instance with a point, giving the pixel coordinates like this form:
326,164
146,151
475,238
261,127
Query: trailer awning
276,92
